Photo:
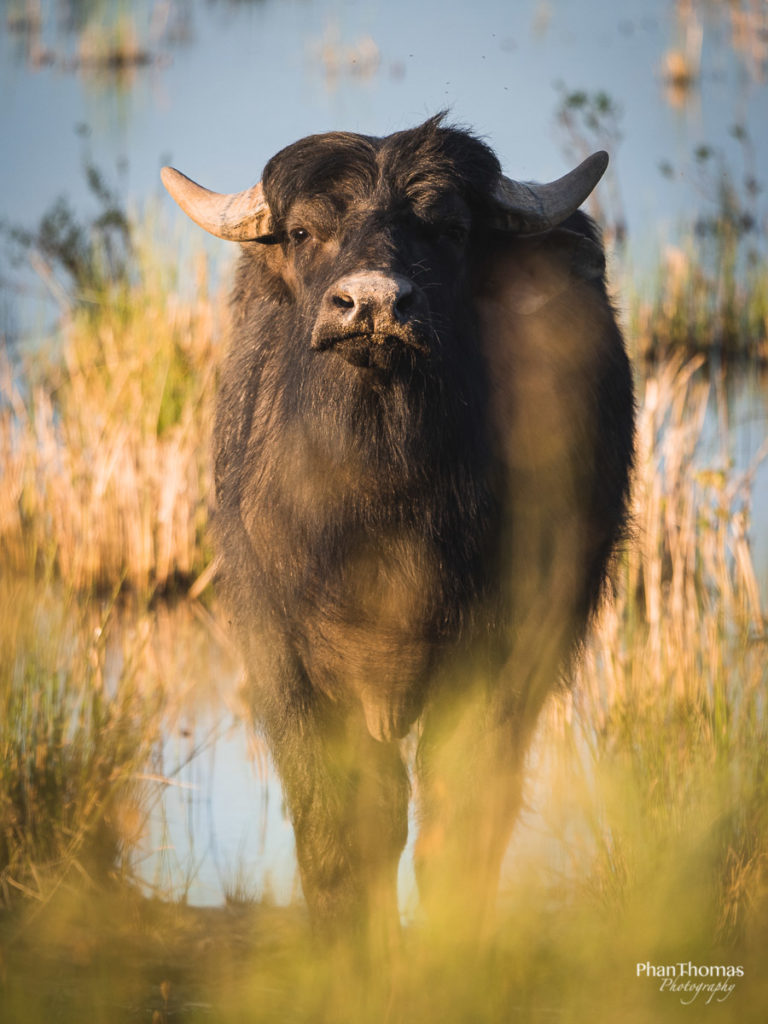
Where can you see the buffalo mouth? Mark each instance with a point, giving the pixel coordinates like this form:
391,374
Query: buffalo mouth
380,350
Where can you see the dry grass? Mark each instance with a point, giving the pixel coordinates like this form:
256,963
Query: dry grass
702,306
98,703
105,452
79,724
662,745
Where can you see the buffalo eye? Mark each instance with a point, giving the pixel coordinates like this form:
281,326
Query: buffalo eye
298,235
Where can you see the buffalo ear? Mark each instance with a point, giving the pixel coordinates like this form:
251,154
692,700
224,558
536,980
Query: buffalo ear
532,272
586,256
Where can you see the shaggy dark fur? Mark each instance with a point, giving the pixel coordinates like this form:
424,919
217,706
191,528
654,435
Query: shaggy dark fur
413,522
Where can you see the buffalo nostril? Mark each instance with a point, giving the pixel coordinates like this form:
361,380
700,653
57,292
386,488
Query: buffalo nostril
343,301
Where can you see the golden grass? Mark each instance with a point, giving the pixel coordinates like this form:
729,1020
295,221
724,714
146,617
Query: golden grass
106,452
661,770
79,723
92,691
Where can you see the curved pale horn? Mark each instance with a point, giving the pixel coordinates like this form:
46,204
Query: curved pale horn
528,209
238,217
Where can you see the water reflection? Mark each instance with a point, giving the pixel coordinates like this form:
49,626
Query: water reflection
215,830
102,40
218,834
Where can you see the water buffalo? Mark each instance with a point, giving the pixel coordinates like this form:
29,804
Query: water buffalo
422,450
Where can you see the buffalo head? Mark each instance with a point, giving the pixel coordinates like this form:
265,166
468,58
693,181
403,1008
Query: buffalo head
370,238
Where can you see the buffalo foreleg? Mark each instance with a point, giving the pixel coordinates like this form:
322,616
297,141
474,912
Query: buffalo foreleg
347,796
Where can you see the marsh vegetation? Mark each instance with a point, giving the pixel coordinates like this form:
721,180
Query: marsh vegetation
644,837
646,833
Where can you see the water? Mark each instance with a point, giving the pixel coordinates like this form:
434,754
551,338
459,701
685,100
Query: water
227,84
219,832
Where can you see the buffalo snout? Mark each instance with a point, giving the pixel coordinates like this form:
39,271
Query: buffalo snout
368,309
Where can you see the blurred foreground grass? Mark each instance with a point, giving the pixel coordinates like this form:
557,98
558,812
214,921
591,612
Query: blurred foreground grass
646,833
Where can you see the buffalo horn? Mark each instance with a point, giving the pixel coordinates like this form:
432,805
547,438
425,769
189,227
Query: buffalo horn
238,217
528,209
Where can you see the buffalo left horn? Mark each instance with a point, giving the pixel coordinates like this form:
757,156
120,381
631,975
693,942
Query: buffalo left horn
238,217
528,209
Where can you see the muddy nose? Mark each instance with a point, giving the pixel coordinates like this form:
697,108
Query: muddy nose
372,300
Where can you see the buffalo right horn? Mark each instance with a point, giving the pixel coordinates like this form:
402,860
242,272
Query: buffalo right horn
238,217
528,209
